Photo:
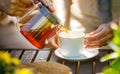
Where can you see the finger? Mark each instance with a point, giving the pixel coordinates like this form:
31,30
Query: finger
98,35
94,35
54,42
35,1
100,42
94,32
48,4
97,38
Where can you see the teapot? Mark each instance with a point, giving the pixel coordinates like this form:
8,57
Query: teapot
39,25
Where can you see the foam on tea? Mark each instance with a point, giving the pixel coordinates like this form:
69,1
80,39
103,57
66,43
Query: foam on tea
71,34
71,43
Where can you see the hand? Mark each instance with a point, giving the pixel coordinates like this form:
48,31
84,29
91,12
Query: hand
15,7
20,7
47,3
54,42
99,37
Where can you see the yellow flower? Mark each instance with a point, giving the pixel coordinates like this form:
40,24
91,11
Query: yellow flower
23,71
15,61
5,56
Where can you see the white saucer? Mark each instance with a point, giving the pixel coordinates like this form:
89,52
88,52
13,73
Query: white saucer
87,54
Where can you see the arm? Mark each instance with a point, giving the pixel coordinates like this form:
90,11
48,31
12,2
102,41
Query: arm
20,7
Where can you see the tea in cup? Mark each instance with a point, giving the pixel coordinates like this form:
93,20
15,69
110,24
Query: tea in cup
71,43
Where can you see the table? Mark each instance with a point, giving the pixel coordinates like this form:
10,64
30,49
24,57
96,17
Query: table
92,66
18,46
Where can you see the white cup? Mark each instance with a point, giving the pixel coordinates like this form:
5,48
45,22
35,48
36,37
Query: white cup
71,43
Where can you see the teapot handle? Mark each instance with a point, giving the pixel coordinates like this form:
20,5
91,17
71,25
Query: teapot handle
46,3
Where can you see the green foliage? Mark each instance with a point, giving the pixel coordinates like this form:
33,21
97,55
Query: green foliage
109,70
116,64
114,67
116,38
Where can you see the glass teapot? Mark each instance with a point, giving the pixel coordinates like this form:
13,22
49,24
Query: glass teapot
39,25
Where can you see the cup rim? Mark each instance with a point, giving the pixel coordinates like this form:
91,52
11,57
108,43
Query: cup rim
81,34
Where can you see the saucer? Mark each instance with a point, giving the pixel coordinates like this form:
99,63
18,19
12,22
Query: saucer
86,54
